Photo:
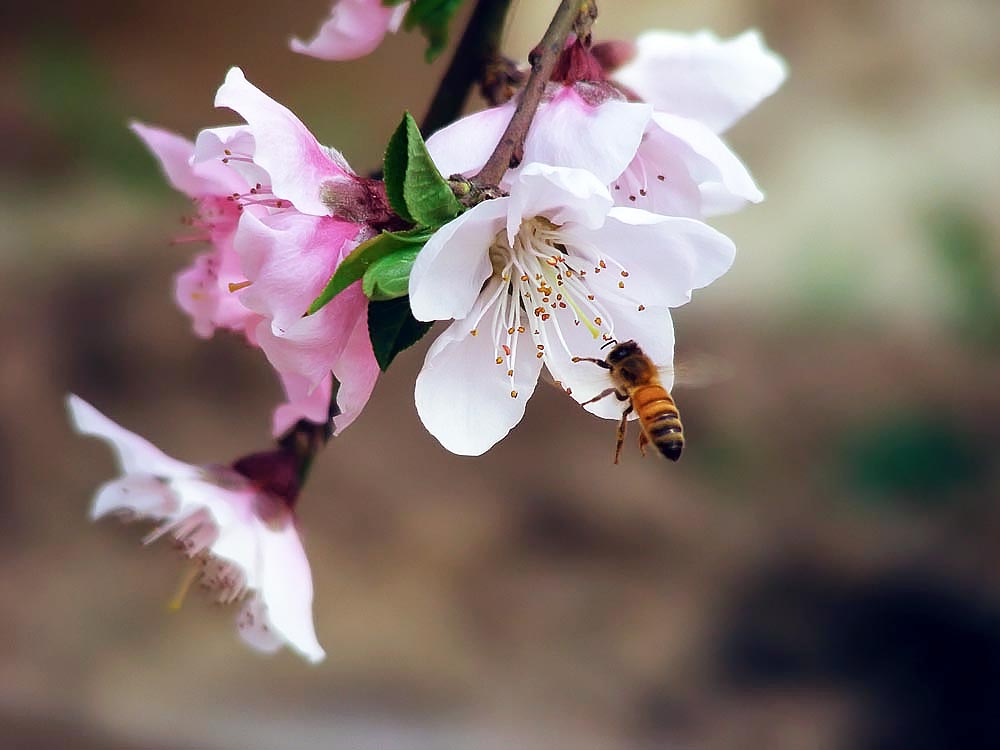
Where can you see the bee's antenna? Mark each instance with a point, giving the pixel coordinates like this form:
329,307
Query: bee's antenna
609,343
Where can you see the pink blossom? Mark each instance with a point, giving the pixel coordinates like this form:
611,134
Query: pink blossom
354,29
241,539
311,210
659,156
202,289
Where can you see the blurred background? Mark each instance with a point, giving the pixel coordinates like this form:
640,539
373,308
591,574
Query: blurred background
821,570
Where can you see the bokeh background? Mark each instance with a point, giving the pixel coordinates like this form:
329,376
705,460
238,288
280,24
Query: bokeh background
821,570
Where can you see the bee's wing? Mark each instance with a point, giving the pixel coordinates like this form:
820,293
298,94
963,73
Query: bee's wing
698,371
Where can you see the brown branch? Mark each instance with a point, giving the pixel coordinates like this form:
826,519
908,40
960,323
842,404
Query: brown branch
570,14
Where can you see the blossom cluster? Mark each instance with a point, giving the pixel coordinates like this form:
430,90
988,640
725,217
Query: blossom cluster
592,236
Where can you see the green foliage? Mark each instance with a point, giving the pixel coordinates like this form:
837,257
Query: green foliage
389,277
416,190
354,266
392,329
911,459
432,17
70,92
964,249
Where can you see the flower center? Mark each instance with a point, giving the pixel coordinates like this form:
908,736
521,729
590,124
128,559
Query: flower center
541,284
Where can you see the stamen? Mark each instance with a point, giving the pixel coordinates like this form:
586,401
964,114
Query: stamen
194,568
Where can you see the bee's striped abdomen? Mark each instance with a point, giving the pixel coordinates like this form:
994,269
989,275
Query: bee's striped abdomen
660,419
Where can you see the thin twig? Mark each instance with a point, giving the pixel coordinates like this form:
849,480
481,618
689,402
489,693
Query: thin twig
543,60
479,46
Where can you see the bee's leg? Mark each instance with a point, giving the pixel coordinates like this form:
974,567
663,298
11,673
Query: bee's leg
643,442
603,394
622,426
598,362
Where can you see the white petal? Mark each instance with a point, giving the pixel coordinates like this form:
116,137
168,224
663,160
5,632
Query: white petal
722,177
569,132
464,397
254,628
665,257
135,454
141,494
560,194
465,146
651,328
286,589
713,80
452,266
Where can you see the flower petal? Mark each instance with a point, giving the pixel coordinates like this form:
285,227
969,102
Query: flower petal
700,76
653,260
289,257
305,401
560,194
135,454
452,266
174,154
602,139
286,589
463,396
724,181
357,372
140,494
651,328
354,29
255,629
297,164
465,146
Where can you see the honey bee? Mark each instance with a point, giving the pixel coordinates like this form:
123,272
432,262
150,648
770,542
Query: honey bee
637,381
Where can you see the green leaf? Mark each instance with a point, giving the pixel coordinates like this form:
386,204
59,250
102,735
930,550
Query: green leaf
389,276
392,328
428,197
394,171
353,267
432,17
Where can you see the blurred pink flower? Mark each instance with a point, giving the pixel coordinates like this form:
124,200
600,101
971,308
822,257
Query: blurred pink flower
310,211
354,29
242,540
701,77
551,272
202,290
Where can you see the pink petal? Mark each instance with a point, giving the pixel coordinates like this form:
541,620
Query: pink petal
289,258
297,164
174,154
354,29
602,139
357,371
700,76
305,401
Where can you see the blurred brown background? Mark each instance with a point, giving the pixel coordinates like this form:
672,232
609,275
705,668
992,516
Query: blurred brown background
821,570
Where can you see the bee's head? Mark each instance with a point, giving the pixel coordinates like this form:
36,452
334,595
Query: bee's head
622,352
